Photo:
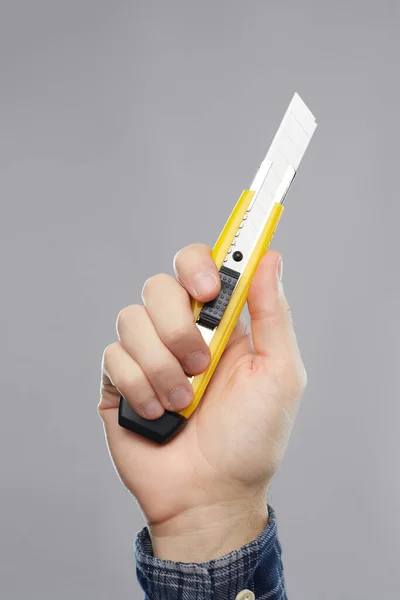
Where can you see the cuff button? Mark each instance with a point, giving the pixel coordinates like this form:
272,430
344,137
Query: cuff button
245,595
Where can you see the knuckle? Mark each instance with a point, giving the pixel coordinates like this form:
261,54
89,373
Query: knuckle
157,370
129,314
126,382
176,336
154,283
165,376
108,353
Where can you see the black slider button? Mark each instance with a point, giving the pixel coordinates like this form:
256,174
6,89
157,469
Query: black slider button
212,312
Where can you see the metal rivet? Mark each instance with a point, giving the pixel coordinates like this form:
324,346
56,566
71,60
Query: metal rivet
237,256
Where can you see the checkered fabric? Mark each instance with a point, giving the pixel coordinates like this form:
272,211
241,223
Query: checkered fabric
257,566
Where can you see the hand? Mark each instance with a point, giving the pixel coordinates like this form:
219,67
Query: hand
203,493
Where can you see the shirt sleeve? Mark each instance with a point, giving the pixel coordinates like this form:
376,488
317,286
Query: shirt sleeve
256,567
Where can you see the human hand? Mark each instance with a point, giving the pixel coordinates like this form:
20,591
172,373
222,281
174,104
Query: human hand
203,493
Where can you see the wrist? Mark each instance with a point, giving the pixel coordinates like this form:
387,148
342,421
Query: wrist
205,533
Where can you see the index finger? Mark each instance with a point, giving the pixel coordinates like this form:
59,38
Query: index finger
197,272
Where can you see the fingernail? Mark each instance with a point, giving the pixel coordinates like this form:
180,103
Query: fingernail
179,398
280,269
196,362
204,283
153,409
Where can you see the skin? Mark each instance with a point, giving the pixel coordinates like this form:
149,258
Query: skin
203,494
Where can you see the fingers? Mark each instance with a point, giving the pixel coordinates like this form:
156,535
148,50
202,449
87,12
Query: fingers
271,323
159,343
140,339
129,380
197,272
168,306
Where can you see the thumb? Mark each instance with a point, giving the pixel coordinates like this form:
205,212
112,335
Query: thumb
271,323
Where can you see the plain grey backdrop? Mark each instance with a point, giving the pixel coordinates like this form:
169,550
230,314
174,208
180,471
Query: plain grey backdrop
127,130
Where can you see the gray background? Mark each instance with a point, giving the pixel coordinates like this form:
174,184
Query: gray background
121,123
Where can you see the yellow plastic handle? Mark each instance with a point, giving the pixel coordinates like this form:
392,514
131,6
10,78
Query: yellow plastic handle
239,296
225,238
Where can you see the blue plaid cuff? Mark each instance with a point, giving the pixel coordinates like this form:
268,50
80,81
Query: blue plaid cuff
257,567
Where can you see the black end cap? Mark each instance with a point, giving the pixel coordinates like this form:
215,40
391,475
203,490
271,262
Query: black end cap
160,430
